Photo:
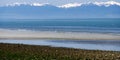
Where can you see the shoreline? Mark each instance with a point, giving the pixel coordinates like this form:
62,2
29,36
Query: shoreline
106,45
27,34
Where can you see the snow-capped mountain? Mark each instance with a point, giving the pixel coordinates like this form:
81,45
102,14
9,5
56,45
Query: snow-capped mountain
110,9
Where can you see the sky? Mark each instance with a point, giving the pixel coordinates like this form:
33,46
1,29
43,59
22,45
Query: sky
52,2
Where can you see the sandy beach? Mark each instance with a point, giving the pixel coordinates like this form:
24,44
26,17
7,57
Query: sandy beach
27,34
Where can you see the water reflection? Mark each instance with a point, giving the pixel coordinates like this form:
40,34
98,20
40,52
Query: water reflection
112,45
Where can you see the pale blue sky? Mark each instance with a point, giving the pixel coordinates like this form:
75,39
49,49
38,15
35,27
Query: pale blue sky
52,2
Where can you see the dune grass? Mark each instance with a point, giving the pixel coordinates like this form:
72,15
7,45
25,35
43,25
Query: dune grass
30,52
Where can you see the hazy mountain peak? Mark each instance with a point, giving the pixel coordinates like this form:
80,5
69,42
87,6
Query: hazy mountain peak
69,5
110,9
106,4
39,4
33,4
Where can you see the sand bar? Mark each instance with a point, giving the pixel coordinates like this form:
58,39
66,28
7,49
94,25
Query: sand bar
27,34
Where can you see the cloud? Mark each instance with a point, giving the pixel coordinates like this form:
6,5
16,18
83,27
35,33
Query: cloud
70,5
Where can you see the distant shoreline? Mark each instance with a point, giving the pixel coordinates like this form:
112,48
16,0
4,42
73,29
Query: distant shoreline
26,34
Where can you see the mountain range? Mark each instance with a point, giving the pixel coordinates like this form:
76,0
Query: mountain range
46,11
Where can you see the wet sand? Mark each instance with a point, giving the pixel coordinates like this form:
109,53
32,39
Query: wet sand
106,45
27,34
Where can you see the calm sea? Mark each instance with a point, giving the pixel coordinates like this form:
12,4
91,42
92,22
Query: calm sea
67,25
105,25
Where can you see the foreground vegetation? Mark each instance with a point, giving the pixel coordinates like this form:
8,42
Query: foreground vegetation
29,52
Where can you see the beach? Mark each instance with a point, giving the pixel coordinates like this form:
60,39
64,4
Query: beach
59,30
28,34
28,52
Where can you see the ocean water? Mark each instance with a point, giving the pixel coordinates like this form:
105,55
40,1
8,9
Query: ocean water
103,25
110,27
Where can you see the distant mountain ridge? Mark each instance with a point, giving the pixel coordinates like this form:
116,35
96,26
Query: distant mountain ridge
75,10
69,5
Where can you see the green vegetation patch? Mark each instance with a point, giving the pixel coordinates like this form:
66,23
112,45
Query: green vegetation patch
29,52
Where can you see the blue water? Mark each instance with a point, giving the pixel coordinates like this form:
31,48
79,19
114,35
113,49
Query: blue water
111,45
105,25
